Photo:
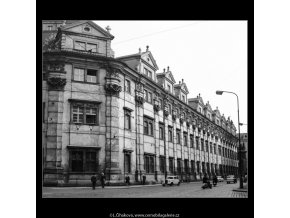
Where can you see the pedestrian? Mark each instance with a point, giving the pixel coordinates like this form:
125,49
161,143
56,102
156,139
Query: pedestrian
214,180
94,180
103,180
144,178
127,180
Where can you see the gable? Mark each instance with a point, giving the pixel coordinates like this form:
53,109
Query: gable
87,27
184,88
201,101
170,76
148,58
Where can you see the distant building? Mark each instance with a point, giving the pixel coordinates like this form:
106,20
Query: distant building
244,142
121,116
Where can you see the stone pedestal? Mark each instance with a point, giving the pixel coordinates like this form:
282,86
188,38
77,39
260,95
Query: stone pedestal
53,171
112,150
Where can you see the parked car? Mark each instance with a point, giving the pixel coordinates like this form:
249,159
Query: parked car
231,178
220,179
171,180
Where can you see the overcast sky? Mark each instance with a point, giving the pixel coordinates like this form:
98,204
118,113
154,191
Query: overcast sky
208,55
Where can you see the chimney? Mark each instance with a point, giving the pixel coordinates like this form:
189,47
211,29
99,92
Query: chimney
164,70
147,48
168,69
139,50
182,80
108,28
179,82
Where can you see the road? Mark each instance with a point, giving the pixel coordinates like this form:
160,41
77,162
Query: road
185,190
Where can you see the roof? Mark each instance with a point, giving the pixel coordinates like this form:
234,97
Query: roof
79,22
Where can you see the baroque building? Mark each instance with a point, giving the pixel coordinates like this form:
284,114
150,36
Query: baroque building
123,115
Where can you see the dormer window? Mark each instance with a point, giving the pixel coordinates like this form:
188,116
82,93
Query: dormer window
183,98
169,88
84,46
148,73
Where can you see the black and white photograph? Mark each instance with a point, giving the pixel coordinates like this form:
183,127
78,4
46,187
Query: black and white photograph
145,109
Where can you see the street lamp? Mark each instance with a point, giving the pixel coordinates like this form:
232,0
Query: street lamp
240,157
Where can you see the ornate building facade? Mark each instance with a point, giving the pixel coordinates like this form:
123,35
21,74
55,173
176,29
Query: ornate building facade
122,115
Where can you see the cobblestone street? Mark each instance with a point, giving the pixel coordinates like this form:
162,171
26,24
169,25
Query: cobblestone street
185,190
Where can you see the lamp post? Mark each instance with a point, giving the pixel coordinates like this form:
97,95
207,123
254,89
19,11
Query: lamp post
240,153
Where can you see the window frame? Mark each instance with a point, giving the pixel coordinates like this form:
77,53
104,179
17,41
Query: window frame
149,163
128,87
170,134
178,133
185,136
85,163
126,154
85,105
85,74
127,113
75,41
150,122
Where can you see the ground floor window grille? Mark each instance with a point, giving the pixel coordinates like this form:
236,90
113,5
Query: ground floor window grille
82,160
149,163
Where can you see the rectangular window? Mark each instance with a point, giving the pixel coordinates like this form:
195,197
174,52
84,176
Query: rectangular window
206,146
149,74
183,98
171,164
77,161
91,161
170,138
146,95
202,145
191,141
91,76
192,166
149,163
170,108
49,27
214,148
127,120
83,160
145,128
91,115
185,139
186,167
148,126
178,166
210,146
197,144
91,47
78,114
79,74
198,167
178,137
127,163
169,88
220,150
127,86
161,132
150,97
85,113
162,164
80,45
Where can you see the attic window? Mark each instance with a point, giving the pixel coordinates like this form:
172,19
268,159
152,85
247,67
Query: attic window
87,29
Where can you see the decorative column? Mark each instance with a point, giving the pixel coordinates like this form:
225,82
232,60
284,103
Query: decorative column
56,80
139,101
113,88
156,108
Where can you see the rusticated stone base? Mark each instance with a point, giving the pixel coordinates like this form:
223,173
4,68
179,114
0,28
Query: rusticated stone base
53,176
113,175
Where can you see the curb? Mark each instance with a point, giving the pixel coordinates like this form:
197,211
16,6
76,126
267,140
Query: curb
240,190
114,187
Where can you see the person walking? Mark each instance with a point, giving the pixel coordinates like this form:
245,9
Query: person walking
94,180
103,180
144,178
127,179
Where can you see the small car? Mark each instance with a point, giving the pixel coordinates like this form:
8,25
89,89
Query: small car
231,178
220,179
171,180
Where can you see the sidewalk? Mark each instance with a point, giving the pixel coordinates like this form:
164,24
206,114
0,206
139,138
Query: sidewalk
240,193
118,186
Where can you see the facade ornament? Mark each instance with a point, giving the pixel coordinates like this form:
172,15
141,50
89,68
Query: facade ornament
139,93
112,85
165,102
56,83
156,105
174,114
56,76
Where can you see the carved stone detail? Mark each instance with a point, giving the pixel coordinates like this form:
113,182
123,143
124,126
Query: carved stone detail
113,88
56,82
